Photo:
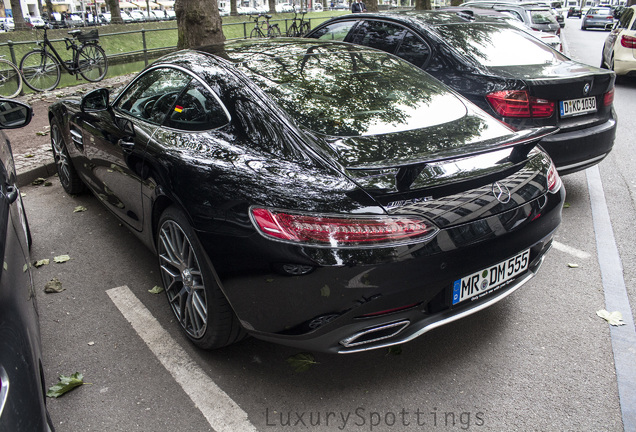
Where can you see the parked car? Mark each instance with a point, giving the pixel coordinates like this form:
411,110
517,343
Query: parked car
74,20
535,16
137,15
547,38
574,11
22,388
321,195
598,17
171,14
126,17
104,18
619,50
7,24
507,73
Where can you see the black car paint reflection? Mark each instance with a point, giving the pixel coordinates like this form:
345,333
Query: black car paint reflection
385,152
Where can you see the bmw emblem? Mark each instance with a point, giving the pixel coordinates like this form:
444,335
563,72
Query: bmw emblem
586,89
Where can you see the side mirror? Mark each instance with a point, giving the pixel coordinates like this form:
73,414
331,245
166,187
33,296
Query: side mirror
14,114
95,101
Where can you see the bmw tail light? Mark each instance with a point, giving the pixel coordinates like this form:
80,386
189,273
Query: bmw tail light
608,98
628,41
518,103
340,230
554,180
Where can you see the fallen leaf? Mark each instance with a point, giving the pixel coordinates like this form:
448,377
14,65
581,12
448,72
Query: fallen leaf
91,343
573,265
38,181
614,318
29,155
40,263
65,384
301,362
79,209
25,268
48,183
566,205
22,194
42,133
61,258
156,289
325,291
53,286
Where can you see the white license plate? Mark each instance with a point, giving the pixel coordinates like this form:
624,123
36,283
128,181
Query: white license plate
574,107
488,280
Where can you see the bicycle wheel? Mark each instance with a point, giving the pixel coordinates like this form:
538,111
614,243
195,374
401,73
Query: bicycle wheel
273,31
92,63
255,33
10,79
304,29
40,70
292,31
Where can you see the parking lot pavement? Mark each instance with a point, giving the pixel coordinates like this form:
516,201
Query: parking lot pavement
539,360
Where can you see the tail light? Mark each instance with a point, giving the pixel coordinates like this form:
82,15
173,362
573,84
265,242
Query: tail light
608,98
628,41
554,180
340,230
518,103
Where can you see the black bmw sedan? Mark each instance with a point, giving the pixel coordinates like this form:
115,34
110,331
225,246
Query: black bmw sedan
504,71
22,388
321,195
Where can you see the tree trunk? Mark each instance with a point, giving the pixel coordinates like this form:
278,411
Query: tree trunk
272,6
49,8
198,22
115,13
371,5
423,5
18,17
233,11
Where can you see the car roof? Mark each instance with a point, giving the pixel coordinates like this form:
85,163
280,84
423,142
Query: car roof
428,17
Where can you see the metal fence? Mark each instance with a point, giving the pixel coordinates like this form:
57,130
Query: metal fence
146,53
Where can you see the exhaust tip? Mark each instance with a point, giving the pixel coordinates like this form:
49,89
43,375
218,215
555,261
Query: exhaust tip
374,334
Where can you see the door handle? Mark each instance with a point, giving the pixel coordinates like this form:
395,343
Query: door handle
126,145
11,193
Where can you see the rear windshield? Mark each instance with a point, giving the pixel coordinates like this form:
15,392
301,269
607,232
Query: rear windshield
353,92
497,45
542,17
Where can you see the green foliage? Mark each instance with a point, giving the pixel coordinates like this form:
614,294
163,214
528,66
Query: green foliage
301,362
65,384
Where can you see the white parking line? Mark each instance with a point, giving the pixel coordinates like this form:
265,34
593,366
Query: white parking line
570,250
221,412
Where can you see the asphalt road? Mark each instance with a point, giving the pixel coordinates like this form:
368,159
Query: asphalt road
539,360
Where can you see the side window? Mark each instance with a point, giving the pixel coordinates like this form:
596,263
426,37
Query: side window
150,96
626,17
377,34
196,109
414,50
337,31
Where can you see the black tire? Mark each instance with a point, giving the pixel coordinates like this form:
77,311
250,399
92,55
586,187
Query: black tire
92,62
292,31
10,80
40,70
191,286
274,31
304,29
69,179
255,33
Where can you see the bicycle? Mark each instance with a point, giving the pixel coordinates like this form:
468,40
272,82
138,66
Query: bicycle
296,30
272,29
41,70
10,79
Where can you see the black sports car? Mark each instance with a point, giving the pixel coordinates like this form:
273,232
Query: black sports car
504,71
22,389
321,195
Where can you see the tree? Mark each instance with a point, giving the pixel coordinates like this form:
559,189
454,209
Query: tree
198,22
233,11
272,6
18,17
115,12
423,5
371,5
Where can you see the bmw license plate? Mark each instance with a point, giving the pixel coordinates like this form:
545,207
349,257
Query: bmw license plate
488,280
574,107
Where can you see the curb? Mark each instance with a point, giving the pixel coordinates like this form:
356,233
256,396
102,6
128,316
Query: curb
25,178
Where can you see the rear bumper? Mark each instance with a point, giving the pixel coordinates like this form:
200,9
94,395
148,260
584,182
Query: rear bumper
582,148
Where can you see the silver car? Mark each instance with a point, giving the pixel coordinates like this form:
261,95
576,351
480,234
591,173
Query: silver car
598,17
